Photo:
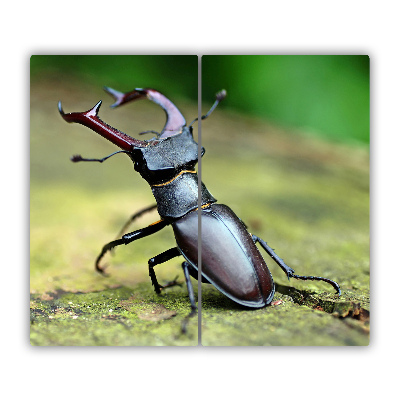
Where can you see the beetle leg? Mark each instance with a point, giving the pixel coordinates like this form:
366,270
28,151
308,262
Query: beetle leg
194,273
289,271
134,216
161,258
128,238
319,278
172,283
185,266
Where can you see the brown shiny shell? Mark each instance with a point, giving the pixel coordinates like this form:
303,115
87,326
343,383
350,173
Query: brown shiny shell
230,259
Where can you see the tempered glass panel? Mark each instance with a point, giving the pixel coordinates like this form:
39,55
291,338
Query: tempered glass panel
287,152
77,208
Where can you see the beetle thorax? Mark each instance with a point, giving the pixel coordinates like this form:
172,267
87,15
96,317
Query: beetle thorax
162,161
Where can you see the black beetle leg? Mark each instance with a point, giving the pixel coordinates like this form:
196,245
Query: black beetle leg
134,216
185,266
289,271
319,278
161,258
128,238
172,283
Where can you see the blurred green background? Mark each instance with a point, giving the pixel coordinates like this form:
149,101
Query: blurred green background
124,72
324,94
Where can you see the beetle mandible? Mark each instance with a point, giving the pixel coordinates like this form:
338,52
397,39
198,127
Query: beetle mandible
230,260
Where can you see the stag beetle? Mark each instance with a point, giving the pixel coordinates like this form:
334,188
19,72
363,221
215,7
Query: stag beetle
230,259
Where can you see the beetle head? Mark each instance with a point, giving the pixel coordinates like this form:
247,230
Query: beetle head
158,159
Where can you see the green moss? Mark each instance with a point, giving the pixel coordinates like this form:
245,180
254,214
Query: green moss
112,317
293,319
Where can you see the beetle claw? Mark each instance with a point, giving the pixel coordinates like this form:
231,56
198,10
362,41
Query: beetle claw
60,109
334,284
186,320
122,98
158,288
172,283
289,273
102,269
91,120
175,120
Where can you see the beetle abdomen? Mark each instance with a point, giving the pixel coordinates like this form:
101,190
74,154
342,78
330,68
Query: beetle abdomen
230,259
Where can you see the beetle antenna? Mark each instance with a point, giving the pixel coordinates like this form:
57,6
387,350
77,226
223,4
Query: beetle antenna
219,97
78,157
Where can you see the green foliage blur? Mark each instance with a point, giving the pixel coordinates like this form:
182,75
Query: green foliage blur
172,75
323,94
